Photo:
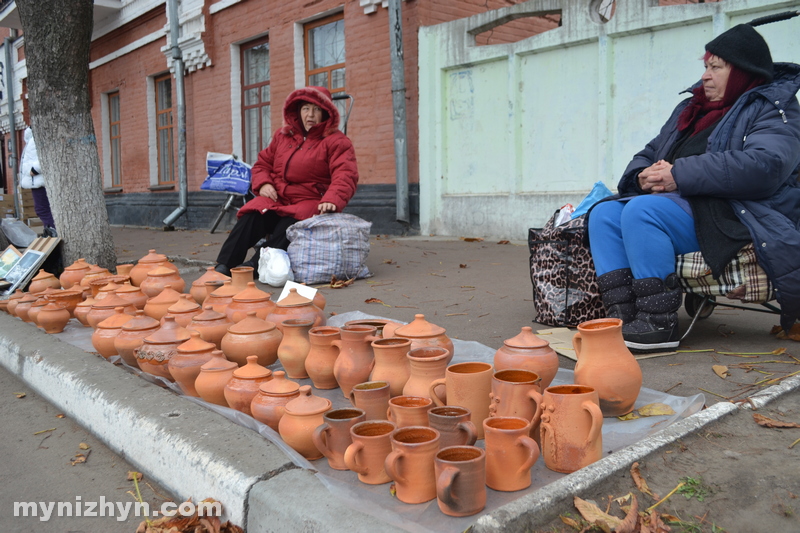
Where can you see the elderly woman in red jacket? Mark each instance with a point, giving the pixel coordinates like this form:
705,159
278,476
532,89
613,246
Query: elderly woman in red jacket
309,168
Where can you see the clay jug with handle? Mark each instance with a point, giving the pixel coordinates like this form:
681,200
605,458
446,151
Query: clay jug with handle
356,359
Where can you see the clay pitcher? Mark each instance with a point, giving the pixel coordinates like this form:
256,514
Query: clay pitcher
294,347
391,363
332,437
367,454
410,464
269,404
528,352
301,417
460,480
214,375
466,385
322,355
355,361
426,365
510,453
453,424
423,333
189,357
516,393
244,385
606,365
571,429
132,335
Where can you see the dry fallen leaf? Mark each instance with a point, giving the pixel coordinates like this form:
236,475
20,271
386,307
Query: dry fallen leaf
340,283
61,415
375,301
653,523
767,422
79,459
592,514
721,371
20,394
462,265
389,261
628,524
571,522
503,242
630,416
655,409
640,482
471,239
83,446
131,475
794,333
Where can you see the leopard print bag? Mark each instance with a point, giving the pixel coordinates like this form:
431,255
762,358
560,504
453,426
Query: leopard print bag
565,291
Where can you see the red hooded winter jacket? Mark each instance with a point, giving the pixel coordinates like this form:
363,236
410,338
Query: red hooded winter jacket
305,171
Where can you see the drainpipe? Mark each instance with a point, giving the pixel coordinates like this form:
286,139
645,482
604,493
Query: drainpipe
13,160
399,109
177,57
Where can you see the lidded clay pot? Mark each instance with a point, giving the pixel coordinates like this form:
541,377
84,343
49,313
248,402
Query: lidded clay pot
383,325
102,287
222,296
189,357
158,306
241,276
81,310
102,309
74,273
423,333
300,418
526,351
296,306
147,263
243,386
53,317
132,334
184,310
158,348
159,278
105,335
133,294
211,325
94,272
13,300
36,306
268,405
24,305
70,298
250,299
214,375
322,356
198,290
43,280
252,336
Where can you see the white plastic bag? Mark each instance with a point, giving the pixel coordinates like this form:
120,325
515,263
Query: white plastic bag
274,267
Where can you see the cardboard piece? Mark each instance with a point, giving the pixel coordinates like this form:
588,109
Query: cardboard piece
560,340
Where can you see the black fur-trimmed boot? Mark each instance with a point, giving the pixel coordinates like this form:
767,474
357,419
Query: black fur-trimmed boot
617,294
656,324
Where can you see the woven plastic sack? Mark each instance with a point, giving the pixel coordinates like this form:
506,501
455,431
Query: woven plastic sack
323,246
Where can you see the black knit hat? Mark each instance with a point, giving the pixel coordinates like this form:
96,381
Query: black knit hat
745,48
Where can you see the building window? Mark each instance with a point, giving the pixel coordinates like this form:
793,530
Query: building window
325,61
115,139
255,98
164,142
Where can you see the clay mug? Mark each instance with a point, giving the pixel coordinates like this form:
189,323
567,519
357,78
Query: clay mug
333,437
373,398
410,463
510,453
571,429
466,385
460,480
453,424
366,455
515,392
409,410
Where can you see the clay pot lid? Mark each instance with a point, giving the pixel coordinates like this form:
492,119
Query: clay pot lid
252,370
127,288
153,257
17,295
169,332
218,362
226,291
251,325
88,302
41,301
279,384
161,271
251,294
526,339
167,296
141,322
80,264
29,297
185,304
115,321
307,403
66,293
195,344
209,275
43,274
419,327
111,301
53,306
293,299
208,315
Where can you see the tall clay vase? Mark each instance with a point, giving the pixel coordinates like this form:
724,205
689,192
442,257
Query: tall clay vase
198,289
252,336
355,361
510,453
269,404
391,363
294,347
53,317
243,386
185,365
214,375
426,365
105,334
132,335
411,463
606,365
422,333
301,417
322,355
211,325
460,480
526,351
158,348
571,429
241,276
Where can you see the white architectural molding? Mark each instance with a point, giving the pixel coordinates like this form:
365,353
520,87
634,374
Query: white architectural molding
371,6
131,10
20,72
190,41
128,48
222,4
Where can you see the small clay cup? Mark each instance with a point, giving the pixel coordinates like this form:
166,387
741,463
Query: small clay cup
333,437
460,480
510,453
367,454
409,410
453,424
373,398
410,464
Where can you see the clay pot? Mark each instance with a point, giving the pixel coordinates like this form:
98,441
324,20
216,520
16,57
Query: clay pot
81,310
252,336
410,463
516,393
606,365
391,363
4,305
105,308
214,375
211,325
158,306
453,424
147,263
379,323
125,270
36,306
460,480
244,385
332,437
510,453
105,335
355,361
294,347
73,274
159,278
133,294
43,280
528,352
407,411
322,356
184,310
68,298
198,290
132,335
372,397
53,317
426,365
24,305
240,277
367,454
158,348
185,365
572,428
268,405
422,333
13,300
250,299
300,418
211,286
94,272
296,306
221,297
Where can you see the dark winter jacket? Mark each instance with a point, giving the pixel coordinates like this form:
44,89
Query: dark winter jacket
752,160
305,171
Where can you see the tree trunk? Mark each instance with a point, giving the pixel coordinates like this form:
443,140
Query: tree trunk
57,37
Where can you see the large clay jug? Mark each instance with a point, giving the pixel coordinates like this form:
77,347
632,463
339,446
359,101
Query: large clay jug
426,365
301,417
322,355
252,336
296,306
132,335
606,365
294,347
214,375
355,361
243,386
211,325
250,299
157,349
198,290
528,352
391,363
185,365
268,405
423,333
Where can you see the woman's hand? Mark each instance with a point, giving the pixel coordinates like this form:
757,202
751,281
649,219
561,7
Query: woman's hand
326,207
269,191
657,178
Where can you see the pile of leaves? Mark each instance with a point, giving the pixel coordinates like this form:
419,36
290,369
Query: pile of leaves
188,524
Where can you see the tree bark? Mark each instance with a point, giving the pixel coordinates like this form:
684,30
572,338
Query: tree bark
58,35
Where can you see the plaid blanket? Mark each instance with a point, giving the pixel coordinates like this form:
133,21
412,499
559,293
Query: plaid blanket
743,279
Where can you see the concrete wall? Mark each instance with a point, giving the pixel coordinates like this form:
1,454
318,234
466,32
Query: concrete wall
511,132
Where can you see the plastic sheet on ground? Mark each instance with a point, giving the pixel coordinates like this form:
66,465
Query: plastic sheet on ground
376,500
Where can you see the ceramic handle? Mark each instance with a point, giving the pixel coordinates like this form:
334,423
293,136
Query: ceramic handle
392,464
534,395
337,343
444,486
577,341
597,420
435,397
353,398
469,428
533,453
351,458
320,438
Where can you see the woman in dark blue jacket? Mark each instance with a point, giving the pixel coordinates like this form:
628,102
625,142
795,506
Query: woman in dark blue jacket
722,173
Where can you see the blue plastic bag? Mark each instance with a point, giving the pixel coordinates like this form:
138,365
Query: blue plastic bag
598,192
226,174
